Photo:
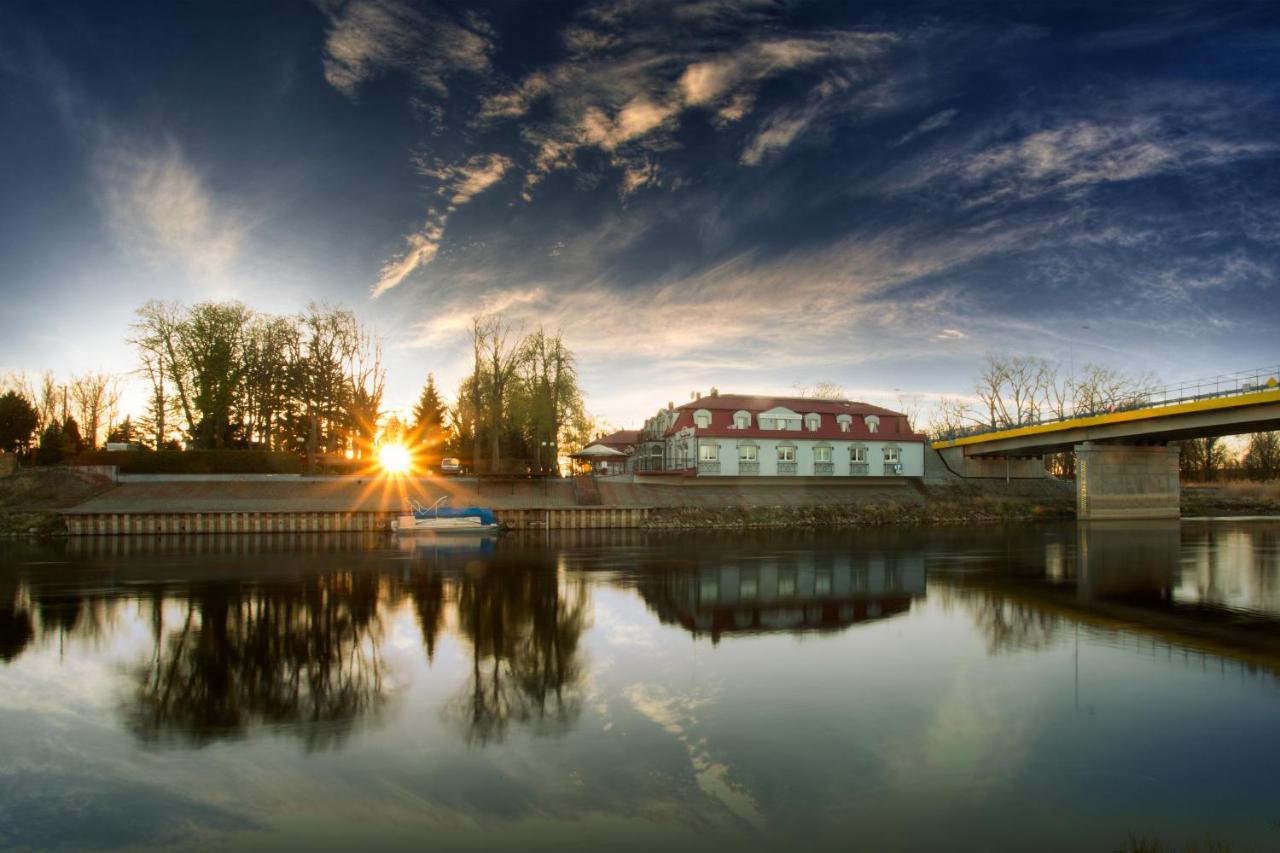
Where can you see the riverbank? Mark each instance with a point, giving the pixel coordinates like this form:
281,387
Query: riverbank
50,502
32,500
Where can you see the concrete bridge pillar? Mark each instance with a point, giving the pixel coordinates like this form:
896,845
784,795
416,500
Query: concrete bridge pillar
1126,481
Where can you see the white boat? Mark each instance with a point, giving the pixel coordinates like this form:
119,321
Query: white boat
439,518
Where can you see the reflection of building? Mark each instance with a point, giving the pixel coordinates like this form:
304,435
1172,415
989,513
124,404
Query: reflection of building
744,435
793,594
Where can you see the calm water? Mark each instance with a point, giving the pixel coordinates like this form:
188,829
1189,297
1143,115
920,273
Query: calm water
1039,688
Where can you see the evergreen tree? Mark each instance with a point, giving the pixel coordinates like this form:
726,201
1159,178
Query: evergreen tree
18,420
124,432
50,451
72,443
429,415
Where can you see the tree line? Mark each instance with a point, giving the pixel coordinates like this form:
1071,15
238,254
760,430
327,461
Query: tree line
220,376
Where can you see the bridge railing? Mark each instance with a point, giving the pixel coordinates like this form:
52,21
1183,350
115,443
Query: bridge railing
1189,391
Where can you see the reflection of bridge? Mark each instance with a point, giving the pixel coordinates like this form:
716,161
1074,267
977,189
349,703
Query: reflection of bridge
1126,577
1125,466
791,594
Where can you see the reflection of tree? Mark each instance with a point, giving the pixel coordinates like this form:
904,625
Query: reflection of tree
302,653
16,630
1009,625
524,630
427,592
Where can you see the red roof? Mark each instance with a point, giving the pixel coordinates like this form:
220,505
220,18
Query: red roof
893,425
621,438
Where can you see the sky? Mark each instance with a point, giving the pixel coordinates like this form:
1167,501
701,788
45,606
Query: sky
756,195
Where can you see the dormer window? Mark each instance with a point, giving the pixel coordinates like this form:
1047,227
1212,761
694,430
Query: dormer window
741,420
845,422
812,421
872,422
702,419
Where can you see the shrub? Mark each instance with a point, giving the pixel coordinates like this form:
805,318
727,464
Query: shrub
194,461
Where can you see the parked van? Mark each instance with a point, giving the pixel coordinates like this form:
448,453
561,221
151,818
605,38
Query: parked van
450,465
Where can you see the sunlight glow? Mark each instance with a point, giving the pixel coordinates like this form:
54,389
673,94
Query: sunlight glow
395,459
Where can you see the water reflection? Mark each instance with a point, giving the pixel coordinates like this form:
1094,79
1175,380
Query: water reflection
289,632
302,654
1165,580
716,594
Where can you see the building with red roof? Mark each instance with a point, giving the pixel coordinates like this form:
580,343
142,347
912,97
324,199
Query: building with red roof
750,435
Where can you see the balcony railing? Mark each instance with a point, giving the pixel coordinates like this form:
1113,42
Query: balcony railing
785,468
892,469
705,467
824,469
748,468
860,469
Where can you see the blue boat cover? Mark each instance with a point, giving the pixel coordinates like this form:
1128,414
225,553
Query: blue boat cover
483,513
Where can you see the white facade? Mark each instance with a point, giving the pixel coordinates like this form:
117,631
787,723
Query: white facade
728,457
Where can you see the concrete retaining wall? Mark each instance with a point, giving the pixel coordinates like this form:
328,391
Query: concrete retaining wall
157,523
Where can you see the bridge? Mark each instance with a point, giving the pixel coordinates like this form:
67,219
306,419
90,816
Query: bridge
1125,465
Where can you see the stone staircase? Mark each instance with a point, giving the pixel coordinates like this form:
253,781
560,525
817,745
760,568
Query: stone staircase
586,492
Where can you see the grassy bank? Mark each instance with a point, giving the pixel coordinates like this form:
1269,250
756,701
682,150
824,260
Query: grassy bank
1244,497
905,513
30,499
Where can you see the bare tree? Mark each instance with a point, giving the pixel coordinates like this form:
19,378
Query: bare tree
821,391
1011,389
95,397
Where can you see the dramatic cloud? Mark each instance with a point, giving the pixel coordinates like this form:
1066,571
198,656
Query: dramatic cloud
626,83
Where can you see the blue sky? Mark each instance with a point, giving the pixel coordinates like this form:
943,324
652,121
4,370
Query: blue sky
751,194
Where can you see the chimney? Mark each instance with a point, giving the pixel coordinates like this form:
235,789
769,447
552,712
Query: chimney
715,392
670,406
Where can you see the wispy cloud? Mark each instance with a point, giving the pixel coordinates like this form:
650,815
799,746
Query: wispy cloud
626,82
458,185
370,37
1127,138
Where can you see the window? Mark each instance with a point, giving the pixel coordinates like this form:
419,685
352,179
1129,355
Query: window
708,453
845,422
747,453
891,454
741,420
702,419
822,454
857,454
786,454
872,422
812,422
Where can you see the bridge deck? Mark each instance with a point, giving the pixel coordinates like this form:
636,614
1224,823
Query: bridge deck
1046,437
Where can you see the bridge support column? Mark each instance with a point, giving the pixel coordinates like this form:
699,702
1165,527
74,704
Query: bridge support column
1126,481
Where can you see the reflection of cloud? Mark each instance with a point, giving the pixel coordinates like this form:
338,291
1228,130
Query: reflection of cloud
676,715
973,736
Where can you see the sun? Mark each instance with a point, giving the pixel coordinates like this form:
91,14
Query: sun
395,459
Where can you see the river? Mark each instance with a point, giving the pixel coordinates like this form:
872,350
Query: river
1040,687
